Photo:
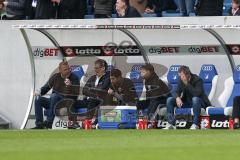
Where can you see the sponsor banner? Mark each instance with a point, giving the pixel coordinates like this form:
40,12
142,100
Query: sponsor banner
180,124
219,122
84,51
185,49
46,53
101,51
62,123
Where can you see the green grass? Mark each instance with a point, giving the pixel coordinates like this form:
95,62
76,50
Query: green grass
120,145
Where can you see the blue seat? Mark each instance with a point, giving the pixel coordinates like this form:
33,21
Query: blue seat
173,77
209,76
172,14
149,15
77,71
135,76
231,90
89,16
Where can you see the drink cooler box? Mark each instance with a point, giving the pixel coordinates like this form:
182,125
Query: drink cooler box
117,117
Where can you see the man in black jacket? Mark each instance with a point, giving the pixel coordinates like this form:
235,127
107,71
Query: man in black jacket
60,9
209,7
189,93
121,91
64,85
103,8
155,92
96,88
124,10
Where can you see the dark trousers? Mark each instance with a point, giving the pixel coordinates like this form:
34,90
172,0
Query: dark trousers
47,103
236,107
196,104
151,105
91,104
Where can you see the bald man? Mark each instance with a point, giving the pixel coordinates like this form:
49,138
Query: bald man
64,84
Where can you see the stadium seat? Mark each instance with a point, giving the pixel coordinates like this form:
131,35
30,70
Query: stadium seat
172,14
173,77
136,78
231,89
209,76
114,15
89,16
149,15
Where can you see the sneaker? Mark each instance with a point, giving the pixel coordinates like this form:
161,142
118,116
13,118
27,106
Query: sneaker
47,124
194,127
38,127
170,127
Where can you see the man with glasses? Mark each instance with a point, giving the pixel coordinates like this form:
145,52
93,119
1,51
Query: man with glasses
96,88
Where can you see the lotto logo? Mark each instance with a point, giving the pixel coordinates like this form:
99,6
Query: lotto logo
238,68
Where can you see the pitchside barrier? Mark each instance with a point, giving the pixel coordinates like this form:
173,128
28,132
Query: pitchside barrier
125,44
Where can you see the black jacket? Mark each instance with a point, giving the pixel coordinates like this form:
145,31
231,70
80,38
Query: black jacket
193,89
67,9
123,94
161,5
103,7
89,90
72,9
209,7
131,12
155,87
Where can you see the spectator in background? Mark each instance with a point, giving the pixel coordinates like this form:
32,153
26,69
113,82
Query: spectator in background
234,10
157,6
189,93
124,10
60,9
30,9
236,112
209,7
15,9
121,91
186,6
46,9
103,8
155,92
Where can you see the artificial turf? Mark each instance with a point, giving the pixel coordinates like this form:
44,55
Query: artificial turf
119,145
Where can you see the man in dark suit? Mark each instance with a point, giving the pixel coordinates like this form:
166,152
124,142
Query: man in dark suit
60,9
209,7
96,88
189,93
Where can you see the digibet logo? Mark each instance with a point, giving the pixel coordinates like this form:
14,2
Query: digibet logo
161,50
45,52
61,124
204,49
